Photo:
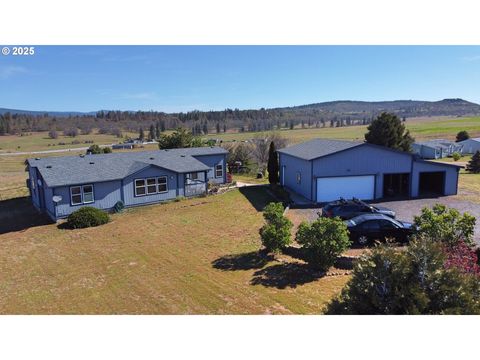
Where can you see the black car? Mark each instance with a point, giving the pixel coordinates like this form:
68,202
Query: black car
365,228
347,209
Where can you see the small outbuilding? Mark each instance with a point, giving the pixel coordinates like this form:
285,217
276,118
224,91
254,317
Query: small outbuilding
470,146
437,148
324,170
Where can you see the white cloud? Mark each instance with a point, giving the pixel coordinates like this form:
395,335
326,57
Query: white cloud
9,71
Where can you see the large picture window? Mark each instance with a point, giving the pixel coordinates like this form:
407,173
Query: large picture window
81,194
150,186
219,171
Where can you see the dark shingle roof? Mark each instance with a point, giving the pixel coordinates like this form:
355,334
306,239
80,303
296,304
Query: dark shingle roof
69,170
318,147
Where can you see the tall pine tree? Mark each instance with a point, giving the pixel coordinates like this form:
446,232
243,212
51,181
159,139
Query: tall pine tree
388,130
272,166
473,165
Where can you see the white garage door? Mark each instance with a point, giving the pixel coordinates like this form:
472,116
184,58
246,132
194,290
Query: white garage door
333,188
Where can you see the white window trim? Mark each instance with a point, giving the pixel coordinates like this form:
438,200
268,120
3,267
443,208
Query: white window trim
166,184
135,187
145,186
82,197
221,169
71,195
156,186
83,194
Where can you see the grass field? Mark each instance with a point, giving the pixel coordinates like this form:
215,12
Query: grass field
40,141
175,258
424,128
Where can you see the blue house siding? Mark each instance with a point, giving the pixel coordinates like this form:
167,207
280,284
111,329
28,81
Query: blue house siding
151,172
106,195
362,160
112,177
211,161
290,167
426,152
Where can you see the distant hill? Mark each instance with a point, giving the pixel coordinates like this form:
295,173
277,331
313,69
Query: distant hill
407,108
355,109
50,113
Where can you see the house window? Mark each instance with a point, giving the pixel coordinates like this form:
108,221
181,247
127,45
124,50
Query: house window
194,176
140,187
81,195
151,186
219,171
299,177
76,195
87,194
162,184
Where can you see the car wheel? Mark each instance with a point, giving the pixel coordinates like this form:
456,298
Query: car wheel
362,240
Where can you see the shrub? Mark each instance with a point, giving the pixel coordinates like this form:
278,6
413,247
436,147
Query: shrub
416,281
461,257
52,134
324,240
275,233
87,216
94,150
445,224
456,156
107,150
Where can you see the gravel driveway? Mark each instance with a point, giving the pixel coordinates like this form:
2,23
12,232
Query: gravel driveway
406,209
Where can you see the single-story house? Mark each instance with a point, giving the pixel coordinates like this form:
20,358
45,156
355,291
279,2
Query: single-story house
60,185
324,170
123,146
470,146
436,149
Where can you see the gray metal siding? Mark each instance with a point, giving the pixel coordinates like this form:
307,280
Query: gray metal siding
426,152
363,160
451,176
34,192
211,161
470,146
106,195
129,190
294,165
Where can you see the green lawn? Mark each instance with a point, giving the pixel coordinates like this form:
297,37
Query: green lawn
197,256
425,128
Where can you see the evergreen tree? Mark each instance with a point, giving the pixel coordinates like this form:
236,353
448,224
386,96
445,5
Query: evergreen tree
462,135
151,133
217,127
272,166
473,165
387,130
162,125
141,134
157,130
224,128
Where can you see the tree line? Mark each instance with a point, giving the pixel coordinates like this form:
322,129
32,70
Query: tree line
199,122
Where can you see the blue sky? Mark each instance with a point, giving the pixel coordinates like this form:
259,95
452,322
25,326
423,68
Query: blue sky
183,78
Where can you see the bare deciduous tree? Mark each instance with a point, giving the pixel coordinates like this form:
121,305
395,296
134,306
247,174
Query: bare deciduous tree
261,145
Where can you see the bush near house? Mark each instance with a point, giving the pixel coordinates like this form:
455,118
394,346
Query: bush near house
275,233
456,156
421,280
87,216
445,224
324,240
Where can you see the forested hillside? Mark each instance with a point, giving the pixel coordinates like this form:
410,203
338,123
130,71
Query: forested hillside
327,114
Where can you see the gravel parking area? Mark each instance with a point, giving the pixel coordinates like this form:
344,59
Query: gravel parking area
405,209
